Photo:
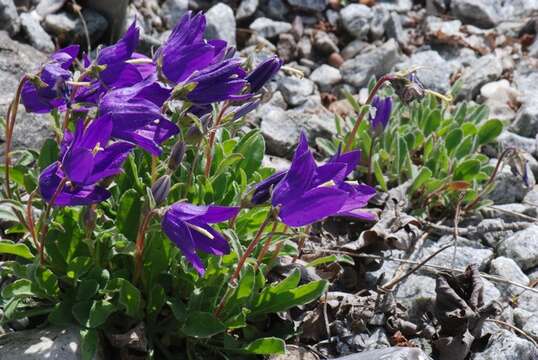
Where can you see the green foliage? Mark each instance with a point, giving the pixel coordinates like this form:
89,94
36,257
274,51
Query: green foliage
88,278
434,145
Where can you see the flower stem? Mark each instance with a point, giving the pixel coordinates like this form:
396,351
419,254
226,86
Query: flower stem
266,245
370,156
211,139
10,125
376,88
194,164
44,227
243,259
139,247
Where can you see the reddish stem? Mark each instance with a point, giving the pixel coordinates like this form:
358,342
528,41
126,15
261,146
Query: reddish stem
10,126
139,247
45,225
374,91
211,140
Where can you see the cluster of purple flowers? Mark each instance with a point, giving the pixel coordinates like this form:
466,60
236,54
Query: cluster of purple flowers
125,91
118,101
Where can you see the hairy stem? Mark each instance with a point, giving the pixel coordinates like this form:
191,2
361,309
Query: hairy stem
353,132
266,246
211,139
10,126
243,259
44,227
139,247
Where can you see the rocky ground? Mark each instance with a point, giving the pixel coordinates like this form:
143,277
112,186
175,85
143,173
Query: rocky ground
491,45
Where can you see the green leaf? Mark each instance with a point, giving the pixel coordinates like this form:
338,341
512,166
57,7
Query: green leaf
99,313
464,148
489,131
89,340
45,281
379,176
266,346
9,247
129,214
467,169
87,289
61,314
453,139
252,147
202,325
48,154
331,259
432,122
79,266
130,298
18,288
284,300
157,299
424,175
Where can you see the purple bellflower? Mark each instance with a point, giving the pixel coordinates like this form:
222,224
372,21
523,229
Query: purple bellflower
136,114
49,91
188,227
263,73
85,159
307,193
379,121
219,82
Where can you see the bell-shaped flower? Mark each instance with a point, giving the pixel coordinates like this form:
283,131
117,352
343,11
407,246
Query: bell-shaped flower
188,226
218,82
379,121
308,193
263,73
136,114
85,159
48,90
185,51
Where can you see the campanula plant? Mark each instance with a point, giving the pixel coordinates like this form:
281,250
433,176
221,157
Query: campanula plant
150,213
416,136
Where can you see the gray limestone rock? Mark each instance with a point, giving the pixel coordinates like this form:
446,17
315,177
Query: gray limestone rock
295,90
268,28
246,9
483,70
505,345
35,34
521,247
16,60
173,10
356,19
377,62
508,269
482,13
326,77
221,23
36,344
9,19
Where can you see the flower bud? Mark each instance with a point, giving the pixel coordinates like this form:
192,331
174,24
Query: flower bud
176,156
160,189
408,88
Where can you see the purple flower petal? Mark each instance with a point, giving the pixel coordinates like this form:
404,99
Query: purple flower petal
108,162
179,64
78,165
180,234
122,50
216,246
313,206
